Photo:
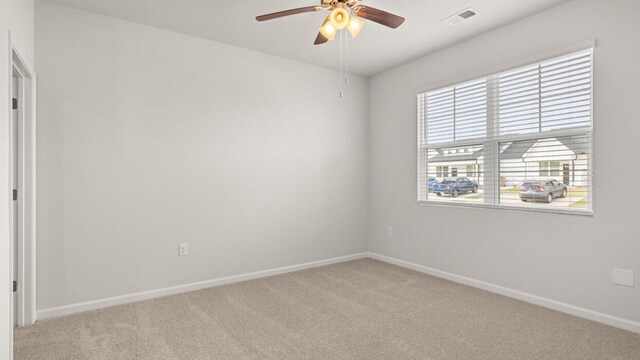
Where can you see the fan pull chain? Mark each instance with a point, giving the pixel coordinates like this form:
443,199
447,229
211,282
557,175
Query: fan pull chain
344,62
346,59
341,67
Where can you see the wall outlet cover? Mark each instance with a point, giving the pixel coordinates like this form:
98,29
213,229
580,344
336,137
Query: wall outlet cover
183,249
623,277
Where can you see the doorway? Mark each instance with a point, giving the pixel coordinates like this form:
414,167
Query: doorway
566,174
15,209
22,187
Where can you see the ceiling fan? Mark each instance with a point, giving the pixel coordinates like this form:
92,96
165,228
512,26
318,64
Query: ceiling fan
344,14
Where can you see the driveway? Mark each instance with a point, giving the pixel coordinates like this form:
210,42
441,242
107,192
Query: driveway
465,198
509,199
514,199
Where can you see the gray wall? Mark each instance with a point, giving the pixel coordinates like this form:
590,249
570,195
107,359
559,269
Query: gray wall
561,257
21,23
148,138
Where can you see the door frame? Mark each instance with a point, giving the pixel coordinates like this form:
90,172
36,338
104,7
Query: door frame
27,188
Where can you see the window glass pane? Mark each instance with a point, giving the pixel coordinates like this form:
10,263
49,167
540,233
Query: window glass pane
440,116
471,110
544,168
455,174
548,96
554,167
457,113
565,89
518,99
547,173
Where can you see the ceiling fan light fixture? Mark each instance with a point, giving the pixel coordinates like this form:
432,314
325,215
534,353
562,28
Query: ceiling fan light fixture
355,26
328,30
339,18
349,14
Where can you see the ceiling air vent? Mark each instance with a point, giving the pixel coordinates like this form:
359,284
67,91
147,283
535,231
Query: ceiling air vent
461,16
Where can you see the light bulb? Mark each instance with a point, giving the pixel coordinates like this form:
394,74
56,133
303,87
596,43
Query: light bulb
339,18
355,25
328,30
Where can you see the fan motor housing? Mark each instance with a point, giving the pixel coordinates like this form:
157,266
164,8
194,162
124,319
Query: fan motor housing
334,3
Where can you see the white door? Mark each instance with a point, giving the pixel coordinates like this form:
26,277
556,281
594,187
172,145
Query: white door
15,180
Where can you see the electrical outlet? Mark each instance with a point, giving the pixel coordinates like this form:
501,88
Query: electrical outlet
389,231
183,249
623,277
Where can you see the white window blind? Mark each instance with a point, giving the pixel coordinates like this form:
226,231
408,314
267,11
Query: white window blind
457,113
528,127
551,95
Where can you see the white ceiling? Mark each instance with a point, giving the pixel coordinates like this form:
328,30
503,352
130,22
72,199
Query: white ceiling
376,48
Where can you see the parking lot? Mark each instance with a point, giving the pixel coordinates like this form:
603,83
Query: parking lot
462,198
514,199
509,197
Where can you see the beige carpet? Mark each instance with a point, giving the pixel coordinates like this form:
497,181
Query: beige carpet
358,310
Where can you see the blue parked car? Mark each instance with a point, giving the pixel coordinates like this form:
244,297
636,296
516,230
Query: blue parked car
455,186
430,182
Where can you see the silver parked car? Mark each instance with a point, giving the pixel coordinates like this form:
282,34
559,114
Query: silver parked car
546,190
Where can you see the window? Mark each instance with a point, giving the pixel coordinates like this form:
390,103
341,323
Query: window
544,168
549,168
530,128
442,171
473,170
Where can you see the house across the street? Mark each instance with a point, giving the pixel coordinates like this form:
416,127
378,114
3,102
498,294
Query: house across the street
564,159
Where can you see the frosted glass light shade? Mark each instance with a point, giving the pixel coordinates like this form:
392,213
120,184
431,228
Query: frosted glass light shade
339,18
355,26
328,30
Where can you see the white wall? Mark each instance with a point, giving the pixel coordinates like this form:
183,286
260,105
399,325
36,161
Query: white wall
148,138
248,158
15,16
561,257
22,28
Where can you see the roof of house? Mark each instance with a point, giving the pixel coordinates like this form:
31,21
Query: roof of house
516,150
578,144
458,157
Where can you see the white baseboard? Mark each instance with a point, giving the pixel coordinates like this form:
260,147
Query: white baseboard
515,294
152,294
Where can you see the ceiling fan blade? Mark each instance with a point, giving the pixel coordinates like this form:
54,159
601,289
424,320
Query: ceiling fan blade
280,14
379,16
320,39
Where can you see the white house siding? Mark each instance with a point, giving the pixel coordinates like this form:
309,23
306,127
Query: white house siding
462,169
513,172
516,168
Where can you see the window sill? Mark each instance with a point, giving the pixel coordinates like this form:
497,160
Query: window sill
508,208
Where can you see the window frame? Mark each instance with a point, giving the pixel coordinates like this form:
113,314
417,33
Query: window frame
493,140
